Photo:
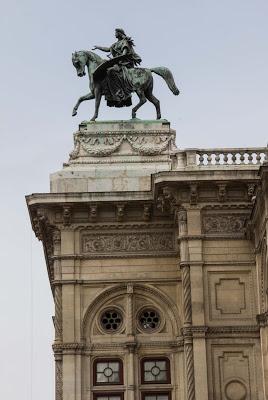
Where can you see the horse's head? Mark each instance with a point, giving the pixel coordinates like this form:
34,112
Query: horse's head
79,59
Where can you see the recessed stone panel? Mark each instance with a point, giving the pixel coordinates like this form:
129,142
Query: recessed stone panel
233,373
230,296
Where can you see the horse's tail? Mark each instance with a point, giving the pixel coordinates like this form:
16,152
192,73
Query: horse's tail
166,74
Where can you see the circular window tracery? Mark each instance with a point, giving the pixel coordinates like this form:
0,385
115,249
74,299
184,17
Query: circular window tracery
149,319
111,320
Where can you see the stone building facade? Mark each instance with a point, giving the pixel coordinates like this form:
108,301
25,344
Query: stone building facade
157,259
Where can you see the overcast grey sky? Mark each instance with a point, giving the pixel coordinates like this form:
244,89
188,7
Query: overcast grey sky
218,53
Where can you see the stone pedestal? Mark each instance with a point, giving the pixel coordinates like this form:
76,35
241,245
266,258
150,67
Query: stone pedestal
116,156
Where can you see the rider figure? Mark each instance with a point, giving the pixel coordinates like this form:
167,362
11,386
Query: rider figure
117,75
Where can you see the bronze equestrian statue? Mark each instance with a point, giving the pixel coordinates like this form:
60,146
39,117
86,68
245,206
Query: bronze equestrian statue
120,76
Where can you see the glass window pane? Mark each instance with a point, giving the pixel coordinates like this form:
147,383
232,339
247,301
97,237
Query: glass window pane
114,378
162,364
162,397
101,378
111,397
150,397
114,366
148,376
101,366
148,365
162,376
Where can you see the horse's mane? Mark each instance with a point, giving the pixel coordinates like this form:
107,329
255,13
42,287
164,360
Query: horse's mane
93,56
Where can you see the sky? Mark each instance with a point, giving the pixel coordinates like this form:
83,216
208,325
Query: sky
218,53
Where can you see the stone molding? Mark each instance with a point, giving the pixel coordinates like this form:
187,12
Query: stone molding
216,331
83,348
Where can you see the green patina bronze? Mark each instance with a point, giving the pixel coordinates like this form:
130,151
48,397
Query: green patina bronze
119,76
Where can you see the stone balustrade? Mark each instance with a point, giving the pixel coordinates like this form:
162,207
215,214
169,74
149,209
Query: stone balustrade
253,156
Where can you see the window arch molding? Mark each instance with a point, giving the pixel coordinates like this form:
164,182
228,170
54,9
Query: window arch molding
116,291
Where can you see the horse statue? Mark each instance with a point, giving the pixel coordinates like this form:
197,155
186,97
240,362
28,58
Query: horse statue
138,80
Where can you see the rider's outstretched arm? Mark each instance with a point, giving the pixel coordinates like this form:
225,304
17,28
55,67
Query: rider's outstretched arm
106,49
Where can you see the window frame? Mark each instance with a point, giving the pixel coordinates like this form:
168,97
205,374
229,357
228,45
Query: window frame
107,360
155,393
96,394
144,359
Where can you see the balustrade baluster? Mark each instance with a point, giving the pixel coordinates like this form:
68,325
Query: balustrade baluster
234,161
217,158
242,158
250,158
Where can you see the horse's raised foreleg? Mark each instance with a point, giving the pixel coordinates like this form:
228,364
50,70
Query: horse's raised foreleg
154,100
98,95
140,103
88,96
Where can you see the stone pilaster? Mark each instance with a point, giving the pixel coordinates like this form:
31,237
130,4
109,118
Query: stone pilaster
187,305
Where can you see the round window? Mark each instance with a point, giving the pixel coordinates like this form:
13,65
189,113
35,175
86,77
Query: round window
111,320
149,319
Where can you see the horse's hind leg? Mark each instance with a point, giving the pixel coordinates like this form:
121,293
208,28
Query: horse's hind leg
154,100
88,96
140,103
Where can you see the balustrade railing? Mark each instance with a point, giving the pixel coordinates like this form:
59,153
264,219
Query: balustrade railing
231,156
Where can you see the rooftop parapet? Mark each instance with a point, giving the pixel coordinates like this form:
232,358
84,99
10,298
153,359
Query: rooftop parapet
221,157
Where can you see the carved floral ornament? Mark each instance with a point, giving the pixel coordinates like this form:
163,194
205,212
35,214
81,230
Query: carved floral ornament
102,145
224,223
139,242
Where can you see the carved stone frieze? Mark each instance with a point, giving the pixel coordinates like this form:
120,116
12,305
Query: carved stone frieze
224,223
104,144
215,331
128,243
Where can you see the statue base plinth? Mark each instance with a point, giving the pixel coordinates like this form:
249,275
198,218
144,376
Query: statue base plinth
116,156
